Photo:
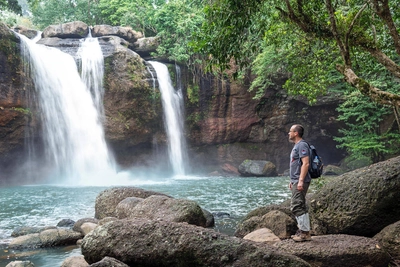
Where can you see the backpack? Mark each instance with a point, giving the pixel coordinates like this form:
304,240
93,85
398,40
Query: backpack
316,165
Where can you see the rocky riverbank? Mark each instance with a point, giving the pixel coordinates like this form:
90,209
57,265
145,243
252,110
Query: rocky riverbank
355,220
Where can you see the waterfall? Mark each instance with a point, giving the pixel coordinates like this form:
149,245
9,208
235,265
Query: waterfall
92,70
72,131
172,102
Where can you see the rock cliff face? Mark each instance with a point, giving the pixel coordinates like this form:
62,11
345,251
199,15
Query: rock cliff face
224,124
16,118
234,126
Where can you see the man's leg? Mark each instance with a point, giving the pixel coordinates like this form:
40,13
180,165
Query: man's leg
300,211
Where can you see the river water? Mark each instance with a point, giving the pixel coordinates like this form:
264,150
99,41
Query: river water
46,205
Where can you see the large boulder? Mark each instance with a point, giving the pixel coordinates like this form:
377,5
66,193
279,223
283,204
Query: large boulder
145,46
338,250
126,33
168,209
107,200
75,29
257,168
160,243
361,202
389,238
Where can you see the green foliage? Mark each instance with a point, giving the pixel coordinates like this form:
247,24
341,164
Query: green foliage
52,12
175,22
365,136
10,5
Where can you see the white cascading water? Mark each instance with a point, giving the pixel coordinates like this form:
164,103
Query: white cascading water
173,106
92,69
73,133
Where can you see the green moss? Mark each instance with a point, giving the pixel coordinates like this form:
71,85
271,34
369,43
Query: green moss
25,111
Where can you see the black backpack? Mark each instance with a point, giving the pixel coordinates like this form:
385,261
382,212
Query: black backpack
316,166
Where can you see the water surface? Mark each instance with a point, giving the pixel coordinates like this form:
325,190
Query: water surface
46,205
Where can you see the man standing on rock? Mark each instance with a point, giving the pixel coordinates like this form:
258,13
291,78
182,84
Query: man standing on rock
299,182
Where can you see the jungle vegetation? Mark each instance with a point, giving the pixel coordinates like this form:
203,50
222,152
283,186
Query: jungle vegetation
347,46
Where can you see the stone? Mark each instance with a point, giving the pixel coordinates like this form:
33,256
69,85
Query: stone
66,223
75,29
257,168
74,261
277,221
30,33
158,207
87,227
108,200
126,33
332,170
161,243
123,207
20,264
264,235
389,239
107,262
358,202
46,238
26,230
78,224
337,250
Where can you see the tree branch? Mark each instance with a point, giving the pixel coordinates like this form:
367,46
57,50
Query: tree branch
382,58
344,49
382,9
352,24
377,95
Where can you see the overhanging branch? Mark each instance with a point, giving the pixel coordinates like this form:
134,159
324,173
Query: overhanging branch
377,95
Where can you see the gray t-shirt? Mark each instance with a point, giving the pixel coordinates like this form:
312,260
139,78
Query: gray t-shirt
300,150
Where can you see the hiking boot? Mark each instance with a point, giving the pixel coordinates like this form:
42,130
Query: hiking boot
302,236
298,232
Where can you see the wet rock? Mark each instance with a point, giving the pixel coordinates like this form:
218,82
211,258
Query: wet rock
108,200
210,221
66,223
30,33
257,168
337,250
26,230
46,238
160,243
20,264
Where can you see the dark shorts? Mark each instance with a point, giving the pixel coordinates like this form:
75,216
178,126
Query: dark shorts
298,204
